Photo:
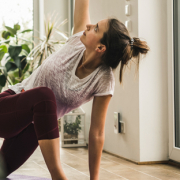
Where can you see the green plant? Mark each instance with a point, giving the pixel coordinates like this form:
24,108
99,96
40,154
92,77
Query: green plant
47,45
13,56
73,128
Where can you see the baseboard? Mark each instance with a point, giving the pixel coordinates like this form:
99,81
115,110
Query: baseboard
170,161
174,163
153,162
135,162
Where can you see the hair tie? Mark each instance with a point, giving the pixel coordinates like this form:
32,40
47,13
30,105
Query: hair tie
132,41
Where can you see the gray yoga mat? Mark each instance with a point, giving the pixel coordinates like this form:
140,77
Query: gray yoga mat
23,177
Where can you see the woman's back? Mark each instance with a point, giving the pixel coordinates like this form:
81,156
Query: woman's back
58,73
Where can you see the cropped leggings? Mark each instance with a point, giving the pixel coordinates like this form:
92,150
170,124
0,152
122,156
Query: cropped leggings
25,118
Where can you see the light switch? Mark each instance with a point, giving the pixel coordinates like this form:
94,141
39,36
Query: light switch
127,10
128,25
119,126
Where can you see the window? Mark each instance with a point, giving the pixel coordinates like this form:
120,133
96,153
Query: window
17,11
176,28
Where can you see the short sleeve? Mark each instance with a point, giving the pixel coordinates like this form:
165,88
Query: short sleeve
106,85
75,39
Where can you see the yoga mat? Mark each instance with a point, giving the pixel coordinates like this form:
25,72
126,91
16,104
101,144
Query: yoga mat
23,177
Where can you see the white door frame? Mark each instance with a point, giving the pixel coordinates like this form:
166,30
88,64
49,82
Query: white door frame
71,5
174,152
38,19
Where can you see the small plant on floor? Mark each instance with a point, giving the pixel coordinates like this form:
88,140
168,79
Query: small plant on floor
73,128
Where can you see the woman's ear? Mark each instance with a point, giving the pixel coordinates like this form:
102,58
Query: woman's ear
101,48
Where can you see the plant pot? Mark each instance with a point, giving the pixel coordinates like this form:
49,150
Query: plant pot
74,136
70,136
67,136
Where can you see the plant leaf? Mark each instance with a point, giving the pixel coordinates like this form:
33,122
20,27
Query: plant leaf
6,34
10,66
3,48
27,30
62,34
12,31
26,48
6,41
14,51
4,70
17,27
2,80
18,62
1,88
26,68
23,61
1,55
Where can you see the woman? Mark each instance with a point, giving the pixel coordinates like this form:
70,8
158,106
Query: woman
72,76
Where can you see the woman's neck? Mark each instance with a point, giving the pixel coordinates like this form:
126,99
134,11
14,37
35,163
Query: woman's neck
89,62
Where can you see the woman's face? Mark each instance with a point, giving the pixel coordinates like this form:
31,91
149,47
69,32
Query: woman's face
93,34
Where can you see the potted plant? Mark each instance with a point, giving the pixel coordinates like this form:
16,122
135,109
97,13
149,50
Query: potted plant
14,49
18,61
71,130
47,44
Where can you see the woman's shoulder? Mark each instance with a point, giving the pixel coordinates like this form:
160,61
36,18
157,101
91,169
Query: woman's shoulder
107,73
105,77
105,83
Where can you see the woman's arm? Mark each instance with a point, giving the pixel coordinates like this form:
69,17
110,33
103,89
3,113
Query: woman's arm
81,15
96,134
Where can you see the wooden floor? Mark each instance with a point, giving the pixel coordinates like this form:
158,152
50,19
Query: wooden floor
75,165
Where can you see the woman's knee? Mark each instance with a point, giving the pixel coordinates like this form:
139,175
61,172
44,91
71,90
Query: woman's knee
45,93
46,101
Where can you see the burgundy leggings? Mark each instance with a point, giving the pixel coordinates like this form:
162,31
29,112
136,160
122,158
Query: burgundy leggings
21,135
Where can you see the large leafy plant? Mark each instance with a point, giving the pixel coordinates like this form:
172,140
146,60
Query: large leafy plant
14,49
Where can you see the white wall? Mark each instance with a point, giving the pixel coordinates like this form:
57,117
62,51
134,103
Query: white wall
143,101
153,82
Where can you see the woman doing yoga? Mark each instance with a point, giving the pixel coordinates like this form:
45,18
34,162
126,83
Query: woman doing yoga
80,71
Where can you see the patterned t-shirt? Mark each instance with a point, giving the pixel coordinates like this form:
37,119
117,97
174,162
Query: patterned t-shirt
57,72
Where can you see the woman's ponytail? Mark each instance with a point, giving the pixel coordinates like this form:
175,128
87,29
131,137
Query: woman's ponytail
121,47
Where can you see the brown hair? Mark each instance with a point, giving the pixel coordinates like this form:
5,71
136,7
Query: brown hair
119,48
